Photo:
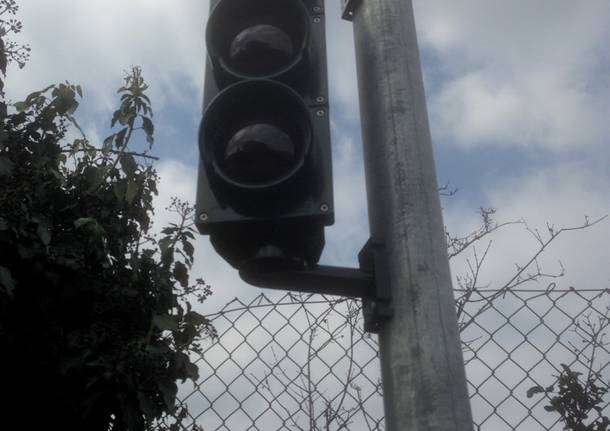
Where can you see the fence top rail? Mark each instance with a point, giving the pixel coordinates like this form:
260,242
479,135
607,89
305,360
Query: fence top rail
290,299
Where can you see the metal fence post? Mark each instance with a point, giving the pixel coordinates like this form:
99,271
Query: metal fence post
423,374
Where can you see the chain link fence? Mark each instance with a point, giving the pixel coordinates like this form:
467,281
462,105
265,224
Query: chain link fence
303,362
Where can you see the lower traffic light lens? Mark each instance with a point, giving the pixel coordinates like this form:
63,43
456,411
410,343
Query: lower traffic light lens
261,48
256,135
259,153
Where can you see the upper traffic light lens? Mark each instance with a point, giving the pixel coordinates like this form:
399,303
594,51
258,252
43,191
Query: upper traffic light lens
259,153
261,48
257,38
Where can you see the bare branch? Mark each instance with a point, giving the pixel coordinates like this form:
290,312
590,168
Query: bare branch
457,244
521,275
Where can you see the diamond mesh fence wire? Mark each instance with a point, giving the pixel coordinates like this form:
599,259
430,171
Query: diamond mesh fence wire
303,362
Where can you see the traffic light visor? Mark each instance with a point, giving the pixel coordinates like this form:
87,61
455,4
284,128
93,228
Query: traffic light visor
257,38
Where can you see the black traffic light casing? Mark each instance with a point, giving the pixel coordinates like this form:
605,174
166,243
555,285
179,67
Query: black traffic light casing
265,177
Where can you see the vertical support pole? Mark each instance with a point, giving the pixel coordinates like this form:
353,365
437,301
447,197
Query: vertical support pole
423,374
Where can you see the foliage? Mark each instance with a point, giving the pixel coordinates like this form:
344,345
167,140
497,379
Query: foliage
95,323
575,401
10,51
579,396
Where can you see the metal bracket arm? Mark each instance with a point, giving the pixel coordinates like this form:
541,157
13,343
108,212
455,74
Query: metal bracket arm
369,282
326,280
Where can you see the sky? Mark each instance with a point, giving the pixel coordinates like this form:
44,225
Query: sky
518,97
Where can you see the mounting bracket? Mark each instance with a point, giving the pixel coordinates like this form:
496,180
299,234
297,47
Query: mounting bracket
369,282
376,308
348,7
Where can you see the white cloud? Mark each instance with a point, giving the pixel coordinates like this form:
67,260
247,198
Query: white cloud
564,195
519,72
510,73
93,42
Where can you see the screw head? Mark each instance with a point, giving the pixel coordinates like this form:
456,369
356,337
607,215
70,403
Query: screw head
324,208
320,113
317,20
317,9
320,99
203,217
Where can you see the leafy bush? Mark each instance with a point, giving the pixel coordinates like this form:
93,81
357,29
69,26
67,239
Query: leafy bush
95,323
575,400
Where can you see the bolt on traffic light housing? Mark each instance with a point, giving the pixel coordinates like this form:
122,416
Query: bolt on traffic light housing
265,181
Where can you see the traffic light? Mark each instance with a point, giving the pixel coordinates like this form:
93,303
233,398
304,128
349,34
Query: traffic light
265,182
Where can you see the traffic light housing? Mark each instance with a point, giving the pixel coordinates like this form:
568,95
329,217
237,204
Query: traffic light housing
265,178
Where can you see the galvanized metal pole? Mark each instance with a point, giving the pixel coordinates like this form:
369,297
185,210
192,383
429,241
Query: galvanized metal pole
423,374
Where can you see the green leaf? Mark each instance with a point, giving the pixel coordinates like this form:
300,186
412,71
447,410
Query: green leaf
164,244
91,150
149,408
93,175
534,390
33,96
119,190
133,188
194,318
181,273
149,129
129,164
84,221
165,322
6,280
65,100
44,233
167,252
120,138
3,139
169,389
169,230
21,106
77,144
107,145
189,249
3,59
192,371
148,126
145,97
124,116
184,368
6,166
